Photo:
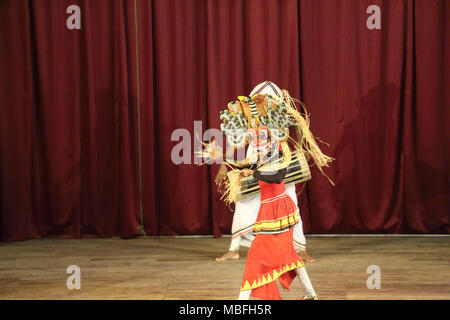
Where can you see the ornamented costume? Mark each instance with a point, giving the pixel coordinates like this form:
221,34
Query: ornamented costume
272,255
244,218
246,210
263,121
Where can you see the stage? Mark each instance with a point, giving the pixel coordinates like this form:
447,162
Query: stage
412,267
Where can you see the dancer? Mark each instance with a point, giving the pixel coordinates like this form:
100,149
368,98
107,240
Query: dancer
272,256
263,121
246,210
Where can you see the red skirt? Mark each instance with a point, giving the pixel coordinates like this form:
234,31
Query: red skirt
272,255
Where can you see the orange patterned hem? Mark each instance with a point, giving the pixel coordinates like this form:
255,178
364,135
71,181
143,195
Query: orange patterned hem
271,276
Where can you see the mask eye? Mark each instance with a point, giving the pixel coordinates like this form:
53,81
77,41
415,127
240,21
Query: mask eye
250,136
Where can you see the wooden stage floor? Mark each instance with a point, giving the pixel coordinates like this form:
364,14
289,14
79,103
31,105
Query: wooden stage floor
412,267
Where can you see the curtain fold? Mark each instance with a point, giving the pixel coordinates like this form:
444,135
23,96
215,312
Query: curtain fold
70,123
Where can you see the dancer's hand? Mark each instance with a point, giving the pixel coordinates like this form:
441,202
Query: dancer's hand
246,172
221,175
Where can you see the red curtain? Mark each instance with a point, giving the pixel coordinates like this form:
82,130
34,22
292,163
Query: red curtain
80,158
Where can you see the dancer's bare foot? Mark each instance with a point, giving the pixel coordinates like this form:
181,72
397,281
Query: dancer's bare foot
306,257
230,255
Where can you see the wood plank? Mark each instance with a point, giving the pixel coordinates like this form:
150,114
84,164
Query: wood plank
412,267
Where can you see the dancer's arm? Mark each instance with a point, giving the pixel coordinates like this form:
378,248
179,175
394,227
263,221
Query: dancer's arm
222,173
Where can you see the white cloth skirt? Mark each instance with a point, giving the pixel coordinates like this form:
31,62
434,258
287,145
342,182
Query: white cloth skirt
245,216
